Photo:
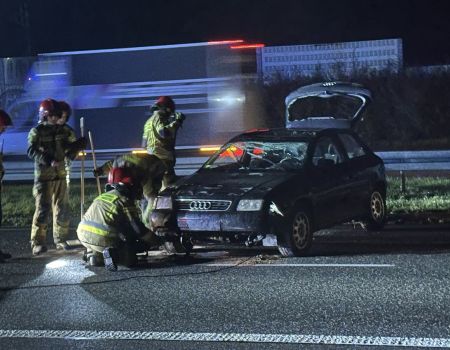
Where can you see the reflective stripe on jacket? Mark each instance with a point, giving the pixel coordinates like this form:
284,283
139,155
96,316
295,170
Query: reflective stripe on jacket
108,216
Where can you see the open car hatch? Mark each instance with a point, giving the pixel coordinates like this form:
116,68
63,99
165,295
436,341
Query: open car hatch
326,105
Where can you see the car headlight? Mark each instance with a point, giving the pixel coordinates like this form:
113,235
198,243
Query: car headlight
250,205
164,203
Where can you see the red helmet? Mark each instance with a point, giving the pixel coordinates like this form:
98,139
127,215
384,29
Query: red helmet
120,175
125,181
65,108
165,101
48,107
5,119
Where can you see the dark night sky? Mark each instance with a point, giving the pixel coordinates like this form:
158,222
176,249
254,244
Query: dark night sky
59,25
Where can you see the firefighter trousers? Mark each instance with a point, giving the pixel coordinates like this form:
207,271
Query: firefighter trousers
50,196
169,176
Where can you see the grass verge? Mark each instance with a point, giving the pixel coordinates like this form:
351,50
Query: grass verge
424,198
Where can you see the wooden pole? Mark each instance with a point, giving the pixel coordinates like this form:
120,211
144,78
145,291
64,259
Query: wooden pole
95,162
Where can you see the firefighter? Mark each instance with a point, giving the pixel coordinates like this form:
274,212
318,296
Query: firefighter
5,121
111,229
66,112
160,132
48,145
151,171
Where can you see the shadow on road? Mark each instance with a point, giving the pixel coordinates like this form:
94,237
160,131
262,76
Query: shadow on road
393,240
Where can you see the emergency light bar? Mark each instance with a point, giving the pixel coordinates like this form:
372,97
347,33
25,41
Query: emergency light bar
225,42
246,46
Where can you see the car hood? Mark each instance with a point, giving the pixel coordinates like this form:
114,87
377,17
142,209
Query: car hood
324,105
228,185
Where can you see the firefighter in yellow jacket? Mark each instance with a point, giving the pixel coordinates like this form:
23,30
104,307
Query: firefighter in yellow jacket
150,169
160,133
111,229
48,145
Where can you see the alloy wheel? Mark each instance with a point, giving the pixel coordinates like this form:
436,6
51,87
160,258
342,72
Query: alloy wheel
377,208
300,230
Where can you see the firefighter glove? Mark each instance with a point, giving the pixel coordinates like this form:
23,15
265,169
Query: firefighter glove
180,117
97,172
81,143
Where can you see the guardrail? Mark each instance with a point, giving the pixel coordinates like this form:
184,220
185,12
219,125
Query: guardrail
416,160
21,168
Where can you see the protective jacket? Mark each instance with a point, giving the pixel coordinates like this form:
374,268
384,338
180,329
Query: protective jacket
48,143
160,134
149,168
111,216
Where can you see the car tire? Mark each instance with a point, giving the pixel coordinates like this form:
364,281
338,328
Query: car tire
298,234
376,217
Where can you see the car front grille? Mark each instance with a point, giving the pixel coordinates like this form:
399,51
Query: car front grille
203,205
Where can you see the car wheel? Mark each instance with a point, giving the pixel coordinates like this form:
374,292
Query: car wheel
377,211
298,235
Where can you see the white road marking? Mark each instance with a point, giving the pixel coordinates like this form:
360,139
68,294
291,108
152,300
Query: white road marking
301,265
229,337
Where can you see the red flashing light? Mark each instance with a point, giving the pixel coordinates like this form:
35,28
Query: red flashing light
258,151
246,46
232,152
225,42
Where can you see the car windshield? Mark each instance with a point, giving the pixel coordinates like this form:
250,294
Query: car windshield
259,156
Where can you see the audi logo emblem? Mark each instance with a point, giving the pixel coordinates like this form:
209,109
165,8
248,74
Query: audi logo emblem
200,205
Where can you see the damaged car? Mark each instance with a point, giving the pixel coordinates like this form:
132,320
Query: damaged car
276,187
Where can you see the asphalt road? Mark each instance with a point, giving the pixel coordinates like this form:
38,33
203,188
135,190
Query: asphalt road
356,289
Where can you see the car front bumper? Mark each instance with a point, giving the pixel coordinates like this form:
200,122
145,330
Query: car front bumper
211,222
221,222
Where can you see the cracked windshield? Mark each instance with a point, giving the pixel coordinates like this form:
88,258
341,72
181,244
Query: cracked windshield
259,156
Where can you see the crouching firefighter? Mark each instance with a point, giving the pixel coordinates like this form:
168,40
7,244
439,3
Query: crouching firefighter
111,229
151,171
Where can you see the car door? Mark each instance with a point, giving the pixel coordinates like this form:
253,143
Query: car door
328,182
356,171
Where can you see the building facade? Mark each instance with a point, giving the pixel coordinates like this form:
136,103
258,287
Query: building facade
345,57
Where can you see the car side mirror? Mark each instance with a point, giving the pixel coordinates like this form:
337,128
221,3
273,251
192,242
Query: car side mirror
325,163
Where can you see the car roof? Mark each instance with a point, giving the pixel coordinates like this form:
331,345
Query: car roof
286,134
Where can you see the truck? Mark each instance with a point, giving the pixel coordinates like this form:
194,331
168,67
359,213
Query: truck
212,83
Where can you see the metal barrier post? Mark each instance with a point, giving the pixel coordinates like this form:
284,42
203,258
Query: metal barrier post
402,181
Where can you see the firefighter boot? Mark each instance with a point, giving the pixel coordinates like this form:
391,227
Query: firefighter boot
62,246
38,249
92,258
110,258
